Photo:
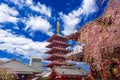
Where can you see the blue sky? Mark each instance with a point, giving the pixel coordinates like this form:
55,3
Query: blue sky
25,25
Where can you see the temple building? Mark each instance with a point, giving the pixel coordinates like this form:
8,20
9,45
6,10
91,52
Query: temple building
21,70
61,69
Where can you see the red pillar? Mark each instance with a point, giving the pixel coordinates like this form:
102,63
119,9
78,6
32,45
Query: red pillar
119,69
91,75
104,72
119,65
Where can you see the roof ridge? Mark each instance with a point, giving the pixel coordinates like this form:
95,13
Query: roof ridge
64,70
7,61
22,64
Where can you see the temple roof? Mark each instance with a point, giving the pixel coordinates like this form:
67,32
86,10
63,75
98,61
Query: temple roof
73,36
57,37
76,57
44,74
2,62
56,49
70,70
55,56
19,67
57,43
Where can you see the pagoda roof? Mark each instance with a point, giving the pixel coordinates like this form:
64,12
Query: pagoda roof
57,37
58,63
57,42
19,67
54,49
55,55
73,36
70,70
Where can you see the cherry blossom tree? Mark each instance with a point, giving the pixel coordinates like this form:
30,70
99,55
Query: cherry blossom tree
102,39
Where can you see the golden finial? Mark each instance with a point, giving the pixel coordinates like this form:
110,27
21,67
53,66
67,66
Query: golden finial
58,28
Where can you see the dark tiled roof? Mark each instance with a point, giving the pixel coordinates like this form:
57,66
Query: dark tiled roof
1,62
70,70
57,37
19,67
44,74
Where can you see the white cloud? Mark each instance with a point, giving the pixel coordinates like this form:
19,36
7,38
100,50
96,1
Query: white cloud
20,45
41,9
29,2
73,18
8,14
4,59
20,3
38,7
38,23
89,6
33,23
70,21
76,50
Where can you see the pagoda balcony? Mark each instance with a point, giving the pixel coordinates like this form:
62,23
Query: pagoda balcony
58,50
56,57
58,63
58,38
57,44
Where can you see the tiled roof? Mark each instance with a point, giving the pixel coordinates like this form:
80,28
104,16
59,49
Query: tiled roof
54,42
57,37
1,62
70,70
44,74
19,67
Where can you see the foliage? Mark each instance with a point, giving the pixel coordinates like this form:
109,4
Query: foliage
4,75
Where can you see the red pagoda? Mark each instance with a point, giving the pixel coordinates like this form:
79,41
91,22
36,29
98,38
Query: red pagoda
61,70
58,50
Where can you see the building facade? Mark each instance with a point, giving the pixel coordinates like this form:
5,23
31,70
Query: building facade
36,62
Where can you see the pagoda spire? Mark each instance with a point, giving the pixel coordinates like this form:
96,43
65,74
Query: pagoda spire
58,27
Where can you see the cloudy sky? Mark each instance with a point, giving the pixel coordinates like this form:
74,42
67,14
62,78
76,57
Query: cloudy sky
25,25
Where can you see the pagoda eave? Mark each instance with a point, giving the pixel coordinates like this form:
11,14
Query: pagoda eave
73,36
57,49
55,55
57,43
56,63
57,37
50,46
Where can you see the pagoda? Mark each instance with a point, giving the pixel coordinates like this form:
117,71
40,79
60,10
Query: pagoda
60,69
58,49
